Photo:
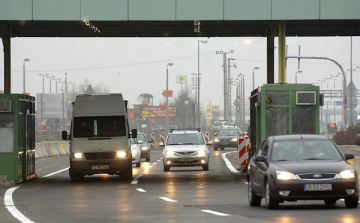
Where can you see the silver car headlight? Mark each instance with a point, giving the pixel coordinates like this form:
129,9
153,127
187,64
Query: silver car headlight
234,140
284,175
144,148
216,140
346,174
169,153
202,152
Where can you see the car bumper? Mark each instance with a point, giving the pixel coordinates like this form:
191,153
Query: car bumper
88,167
225,144
297,190
186,161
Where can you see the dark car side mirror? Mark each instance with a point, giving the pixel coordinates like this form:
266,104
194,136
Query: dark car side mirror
64,135
260,159
349,156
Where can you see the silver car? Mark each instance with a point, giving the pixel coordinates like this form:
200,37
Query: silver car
185,148
144,145
135,152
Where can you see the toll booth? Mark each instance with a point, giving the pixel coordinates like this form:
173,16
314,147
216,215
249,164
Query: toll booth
17,136
282,109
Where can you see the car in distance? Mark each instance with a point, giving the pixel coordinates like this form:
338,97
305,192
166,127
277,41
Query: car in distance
227,137
185,148
301,167
144,146
135,152
218,125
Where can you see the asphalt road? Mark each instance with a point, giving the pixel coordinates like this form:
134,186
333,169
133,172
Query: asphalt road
180,195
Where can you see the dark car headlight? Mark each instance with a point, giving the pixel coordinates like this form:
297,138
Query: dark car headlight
346,174
285,175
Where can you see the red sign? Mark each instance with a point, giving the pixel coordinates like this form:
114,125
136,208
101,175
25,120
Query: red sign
170,93
157,111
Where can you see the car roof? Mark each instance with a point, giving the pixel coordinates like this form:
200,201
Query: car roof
298,137
185,132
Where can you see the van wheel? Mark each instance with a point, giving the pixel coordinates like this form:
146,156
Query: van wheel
75,177
138,164
147,159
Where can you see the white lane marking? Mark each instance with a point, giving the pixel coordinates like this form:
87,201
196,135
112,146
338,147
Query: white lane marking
9,204
228,164
134,182
154,163
215,213
344,200
167,199
51,174
141,190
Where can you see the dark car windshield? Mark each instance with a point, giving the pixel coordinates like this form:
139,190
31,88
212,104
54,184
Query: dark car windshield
229,132
305,150
189,139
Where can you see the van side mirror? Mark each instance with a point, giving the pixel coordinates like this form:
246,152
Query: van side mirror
64,135
134,133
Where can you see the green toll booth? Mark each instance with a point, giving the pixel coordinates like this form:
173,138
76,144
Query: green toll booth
17,137
283,109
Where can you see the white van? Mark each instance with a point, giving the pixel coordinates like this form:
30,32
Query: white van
100,137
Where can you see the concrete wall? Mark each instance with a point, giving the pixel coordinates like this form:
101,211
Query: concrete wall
53,148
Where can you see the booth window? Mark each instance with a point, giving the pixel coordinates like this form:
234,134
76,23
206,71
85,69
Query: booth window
277,121
6,132
303,121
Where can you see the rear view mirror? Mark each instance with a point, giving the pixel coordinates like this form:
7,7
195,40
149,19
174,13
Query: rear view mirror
64,135
349,156
260,158
133,133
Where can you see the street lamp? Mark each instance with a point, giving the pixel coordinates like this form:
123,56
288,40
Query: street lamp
167,98
56,82
25,60
327,81
253,76
43,75
198,82
299,71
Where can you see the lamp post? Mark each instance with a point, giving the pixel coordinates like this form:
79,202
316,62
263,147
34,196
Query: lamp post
167,98
198,83
299,71
253,76
43,75
25,60
327,81
56,82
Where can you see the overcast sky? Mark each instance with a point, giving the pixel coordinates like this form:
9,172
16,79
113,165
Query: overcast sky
133,66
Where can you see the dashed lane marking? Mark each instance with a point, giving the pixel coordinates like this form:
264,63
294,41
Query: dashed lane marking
167,199
141,190
215,213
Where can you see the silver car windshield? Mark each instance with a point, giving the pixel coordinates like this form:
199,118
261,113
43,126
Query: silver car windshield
189,139
305,150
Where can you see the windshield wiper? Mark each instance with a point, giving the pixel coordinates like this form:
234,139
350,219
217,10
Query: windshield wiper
315,159
280,160
171,144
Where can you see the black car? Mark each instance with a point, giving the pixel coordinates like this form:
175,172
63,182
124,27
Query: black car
301,167
227,137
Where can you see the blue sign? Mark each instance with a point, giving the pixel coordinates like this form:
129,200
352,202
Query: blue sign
339,103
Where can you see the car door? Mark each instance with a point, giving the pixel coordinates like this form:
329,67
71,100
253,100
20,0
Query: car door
260,167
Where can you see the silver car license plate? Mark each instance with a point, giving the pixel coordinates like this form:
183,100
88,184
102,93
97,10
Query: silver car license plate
186,159
100,167
317,187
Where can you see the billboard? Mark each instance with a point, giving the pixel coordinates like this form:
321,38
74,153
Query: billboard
157,111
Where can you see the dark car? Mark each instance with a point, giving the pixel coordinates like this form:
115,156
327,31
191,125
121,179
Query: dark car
227,137
301,167
144,146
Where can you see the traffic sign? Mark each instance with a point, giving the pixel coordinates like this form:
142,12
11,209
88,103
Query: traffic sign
339,103
170,93
352,115
351,89
352,102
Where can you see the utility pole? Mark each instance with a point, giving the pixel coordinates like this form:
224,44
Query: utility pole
225,86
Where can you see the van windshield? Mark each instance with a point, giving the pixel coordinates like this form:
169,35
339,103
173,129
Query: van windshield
99,126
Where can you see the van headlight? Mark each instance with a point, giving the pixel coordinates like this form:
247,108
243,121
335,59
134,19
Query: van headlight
216,140
346,174
121,154
78,155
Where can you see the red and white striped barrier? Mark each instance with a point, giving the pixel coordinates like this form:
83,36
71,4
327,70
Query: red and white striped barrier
207,137
162,137
243,147
152,138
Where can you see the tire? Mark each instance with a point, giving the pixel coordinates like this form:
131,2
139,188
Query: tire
126,174
138,164
330,201
74,177
166,168
352,202
215,149
147,159
254,200
206,167
270,202
222,148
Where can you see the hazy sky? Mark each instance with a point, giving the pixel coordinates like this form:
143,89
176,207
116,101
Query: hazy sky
142,62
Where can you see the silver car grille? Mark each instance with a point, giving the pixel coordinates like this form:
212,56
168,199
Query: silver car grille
186,153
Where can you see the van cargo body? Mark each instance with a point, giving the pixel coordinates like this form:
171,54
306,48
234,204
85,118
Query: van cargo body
100,137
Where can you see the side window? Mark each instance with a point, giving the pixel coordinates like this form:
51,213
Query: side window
263,149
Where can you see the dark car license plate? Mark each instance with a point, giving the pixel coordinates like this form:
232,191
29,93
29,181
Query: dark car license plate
317,187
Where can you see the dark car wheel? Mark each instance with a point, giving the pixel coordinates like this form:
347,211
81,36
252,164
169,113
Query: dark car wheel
352,202
270,202
254,200
330,201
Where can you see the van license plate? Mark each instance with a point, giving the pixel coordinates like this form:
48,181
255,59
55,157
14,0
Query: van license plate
100,167
317,187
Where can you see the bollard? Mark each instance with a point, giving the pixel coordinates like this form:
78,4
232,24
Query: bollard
162,138
207,137
152,138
